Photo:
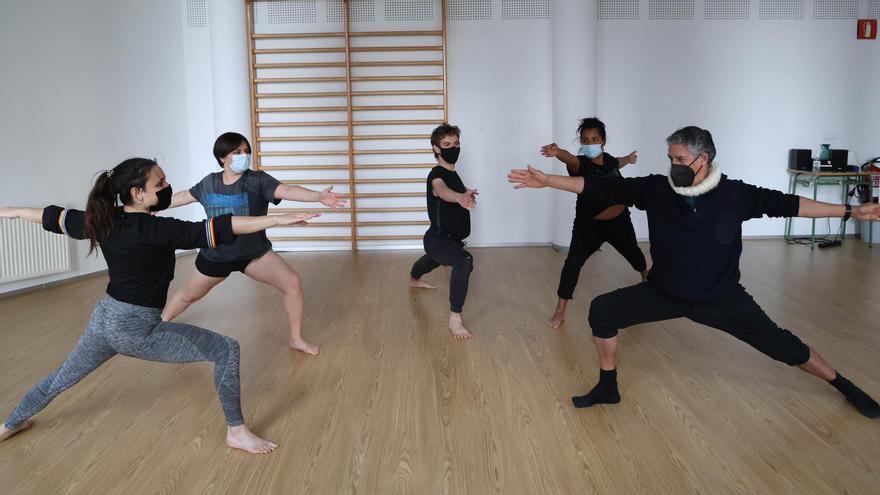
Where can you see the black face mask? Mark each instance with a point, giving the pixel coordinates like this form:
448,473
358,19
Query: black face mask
164,196
450,155
683,175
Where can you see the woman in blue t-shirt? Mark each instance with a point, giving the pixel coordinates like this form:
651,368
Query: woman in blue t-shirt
596,221
241,191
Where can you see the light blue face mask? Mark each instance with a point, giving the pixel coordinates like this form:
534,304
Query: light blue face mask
590,150
240,163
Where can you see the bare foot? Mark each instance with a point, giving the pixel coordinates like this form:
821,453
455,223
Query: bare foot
457,328
644,274
420,284
239,437
304,347
7,432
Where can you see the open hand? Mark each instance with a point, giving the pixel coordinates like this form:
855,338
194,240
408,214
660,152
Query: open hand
331,199
870,211
550,150
531,177
468,199
631,158
296,218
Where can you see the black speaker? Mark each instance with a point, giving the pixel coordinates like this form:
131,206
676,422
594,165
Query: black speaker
800,159
839,159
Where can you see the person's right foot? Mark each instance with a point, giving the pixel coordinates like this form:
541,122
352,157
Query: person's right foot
240,437
863,402
605,392
8,432
457,328
420,284
556,320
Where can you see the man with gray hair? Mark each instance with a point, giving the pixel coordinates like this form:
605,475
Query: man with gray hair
695,218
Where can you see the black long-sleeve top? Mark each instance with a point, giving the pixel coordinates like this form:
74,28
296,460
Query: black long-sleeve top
695,249
140,248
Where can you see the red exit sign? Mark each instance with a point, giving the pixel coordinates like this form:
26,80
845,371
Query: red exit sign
867,29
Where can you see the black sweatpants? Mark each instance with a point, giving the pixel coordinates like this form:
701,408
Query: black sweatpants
442,251
586,238
738,315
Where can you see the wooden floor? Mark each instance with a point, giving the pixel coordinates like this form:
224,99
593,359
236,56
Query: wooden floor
394,405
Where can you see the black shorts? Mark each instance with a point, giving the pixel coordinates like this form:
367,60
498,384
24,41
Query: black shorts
221,269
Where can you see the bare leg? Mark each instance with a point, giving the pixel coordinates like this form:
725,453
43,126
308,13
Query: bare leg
819,367
456,326
607,350
559,315
239,437
196,288
644,274
273,270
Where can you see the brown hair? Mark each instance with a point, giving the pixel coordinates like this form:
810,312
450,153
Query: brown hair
110,185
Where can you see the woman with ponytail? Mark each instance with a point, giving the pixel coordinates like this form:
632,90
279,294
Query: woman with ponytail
139,250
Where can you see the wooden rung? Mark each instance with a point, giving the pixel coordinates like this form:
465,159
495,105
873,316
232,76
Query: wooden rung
389,195
395,78
381,63
303,167
268,80
314,238
391,152
322,224
327,182
302,109
390,237
413,48
401,180
326,123
361,34
316,94
399,92
303,153
281,36
392,209
372,137
393,223
397,122
375,166
274,211
261,51
370,108
299,65
301,138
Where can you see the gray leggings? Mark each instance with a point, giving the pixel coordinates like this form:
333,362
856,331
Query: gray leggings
121,328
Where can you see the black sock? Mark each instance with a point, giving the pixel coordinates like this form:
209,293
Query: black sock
605,392
863,402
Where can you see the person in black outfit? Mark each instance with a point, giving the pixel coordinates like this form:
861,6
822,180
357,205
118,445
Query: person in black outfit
596,221
695,218
449,207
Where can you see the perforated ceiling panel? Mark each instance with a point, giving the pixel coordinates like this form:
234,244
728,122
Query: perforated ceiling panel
835,9
258,11
409,10
874,9
781,10
358,10
726,10
292,12
525,9
618,9
671,9
470,10
196,13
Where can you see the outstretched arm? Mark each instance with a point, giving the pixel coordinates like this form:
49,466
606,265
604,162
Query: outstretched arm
535,178
631,158
817,209
467,199
297,193
182,198
34,215
553,151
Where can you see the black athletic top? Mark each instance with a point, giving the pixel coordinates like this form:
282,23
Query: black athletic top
588,207
447,219
695,249
140,248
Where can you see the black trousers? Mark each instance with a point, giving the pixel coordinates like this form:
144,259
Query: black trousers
442,251
738,315
586,238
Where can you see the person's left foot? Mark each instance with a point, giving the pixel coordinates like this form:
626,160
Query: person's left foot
8,432
304,347
857,397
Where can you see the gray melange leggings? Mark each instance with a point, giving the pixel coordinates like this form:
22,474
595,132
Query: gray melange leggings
121,328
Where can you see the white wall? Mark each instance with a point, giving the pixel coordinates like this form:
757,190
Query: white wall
85,85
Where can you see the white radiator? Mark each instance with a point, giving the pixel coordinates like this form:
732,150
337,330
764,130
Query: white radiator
28,251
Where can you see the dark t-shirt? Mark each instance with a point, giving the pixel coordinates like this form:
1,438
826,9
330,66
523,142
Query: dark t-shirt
250,195
447,219
140,248
588,207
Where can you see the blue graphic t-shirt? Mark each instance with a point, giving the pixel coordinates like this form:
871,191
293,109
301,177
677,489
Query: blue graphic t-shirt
250,195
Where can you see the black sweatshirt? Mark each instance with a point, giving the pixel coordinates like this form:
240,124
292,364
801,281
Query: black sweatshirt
695,250
588,207
140,248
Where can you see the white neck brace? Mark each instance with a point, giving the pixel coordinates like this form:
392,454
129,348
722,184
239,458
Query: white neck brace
710,182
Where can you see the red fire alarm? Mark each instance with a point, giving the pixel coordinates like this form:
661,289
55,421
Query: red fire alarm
867,29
